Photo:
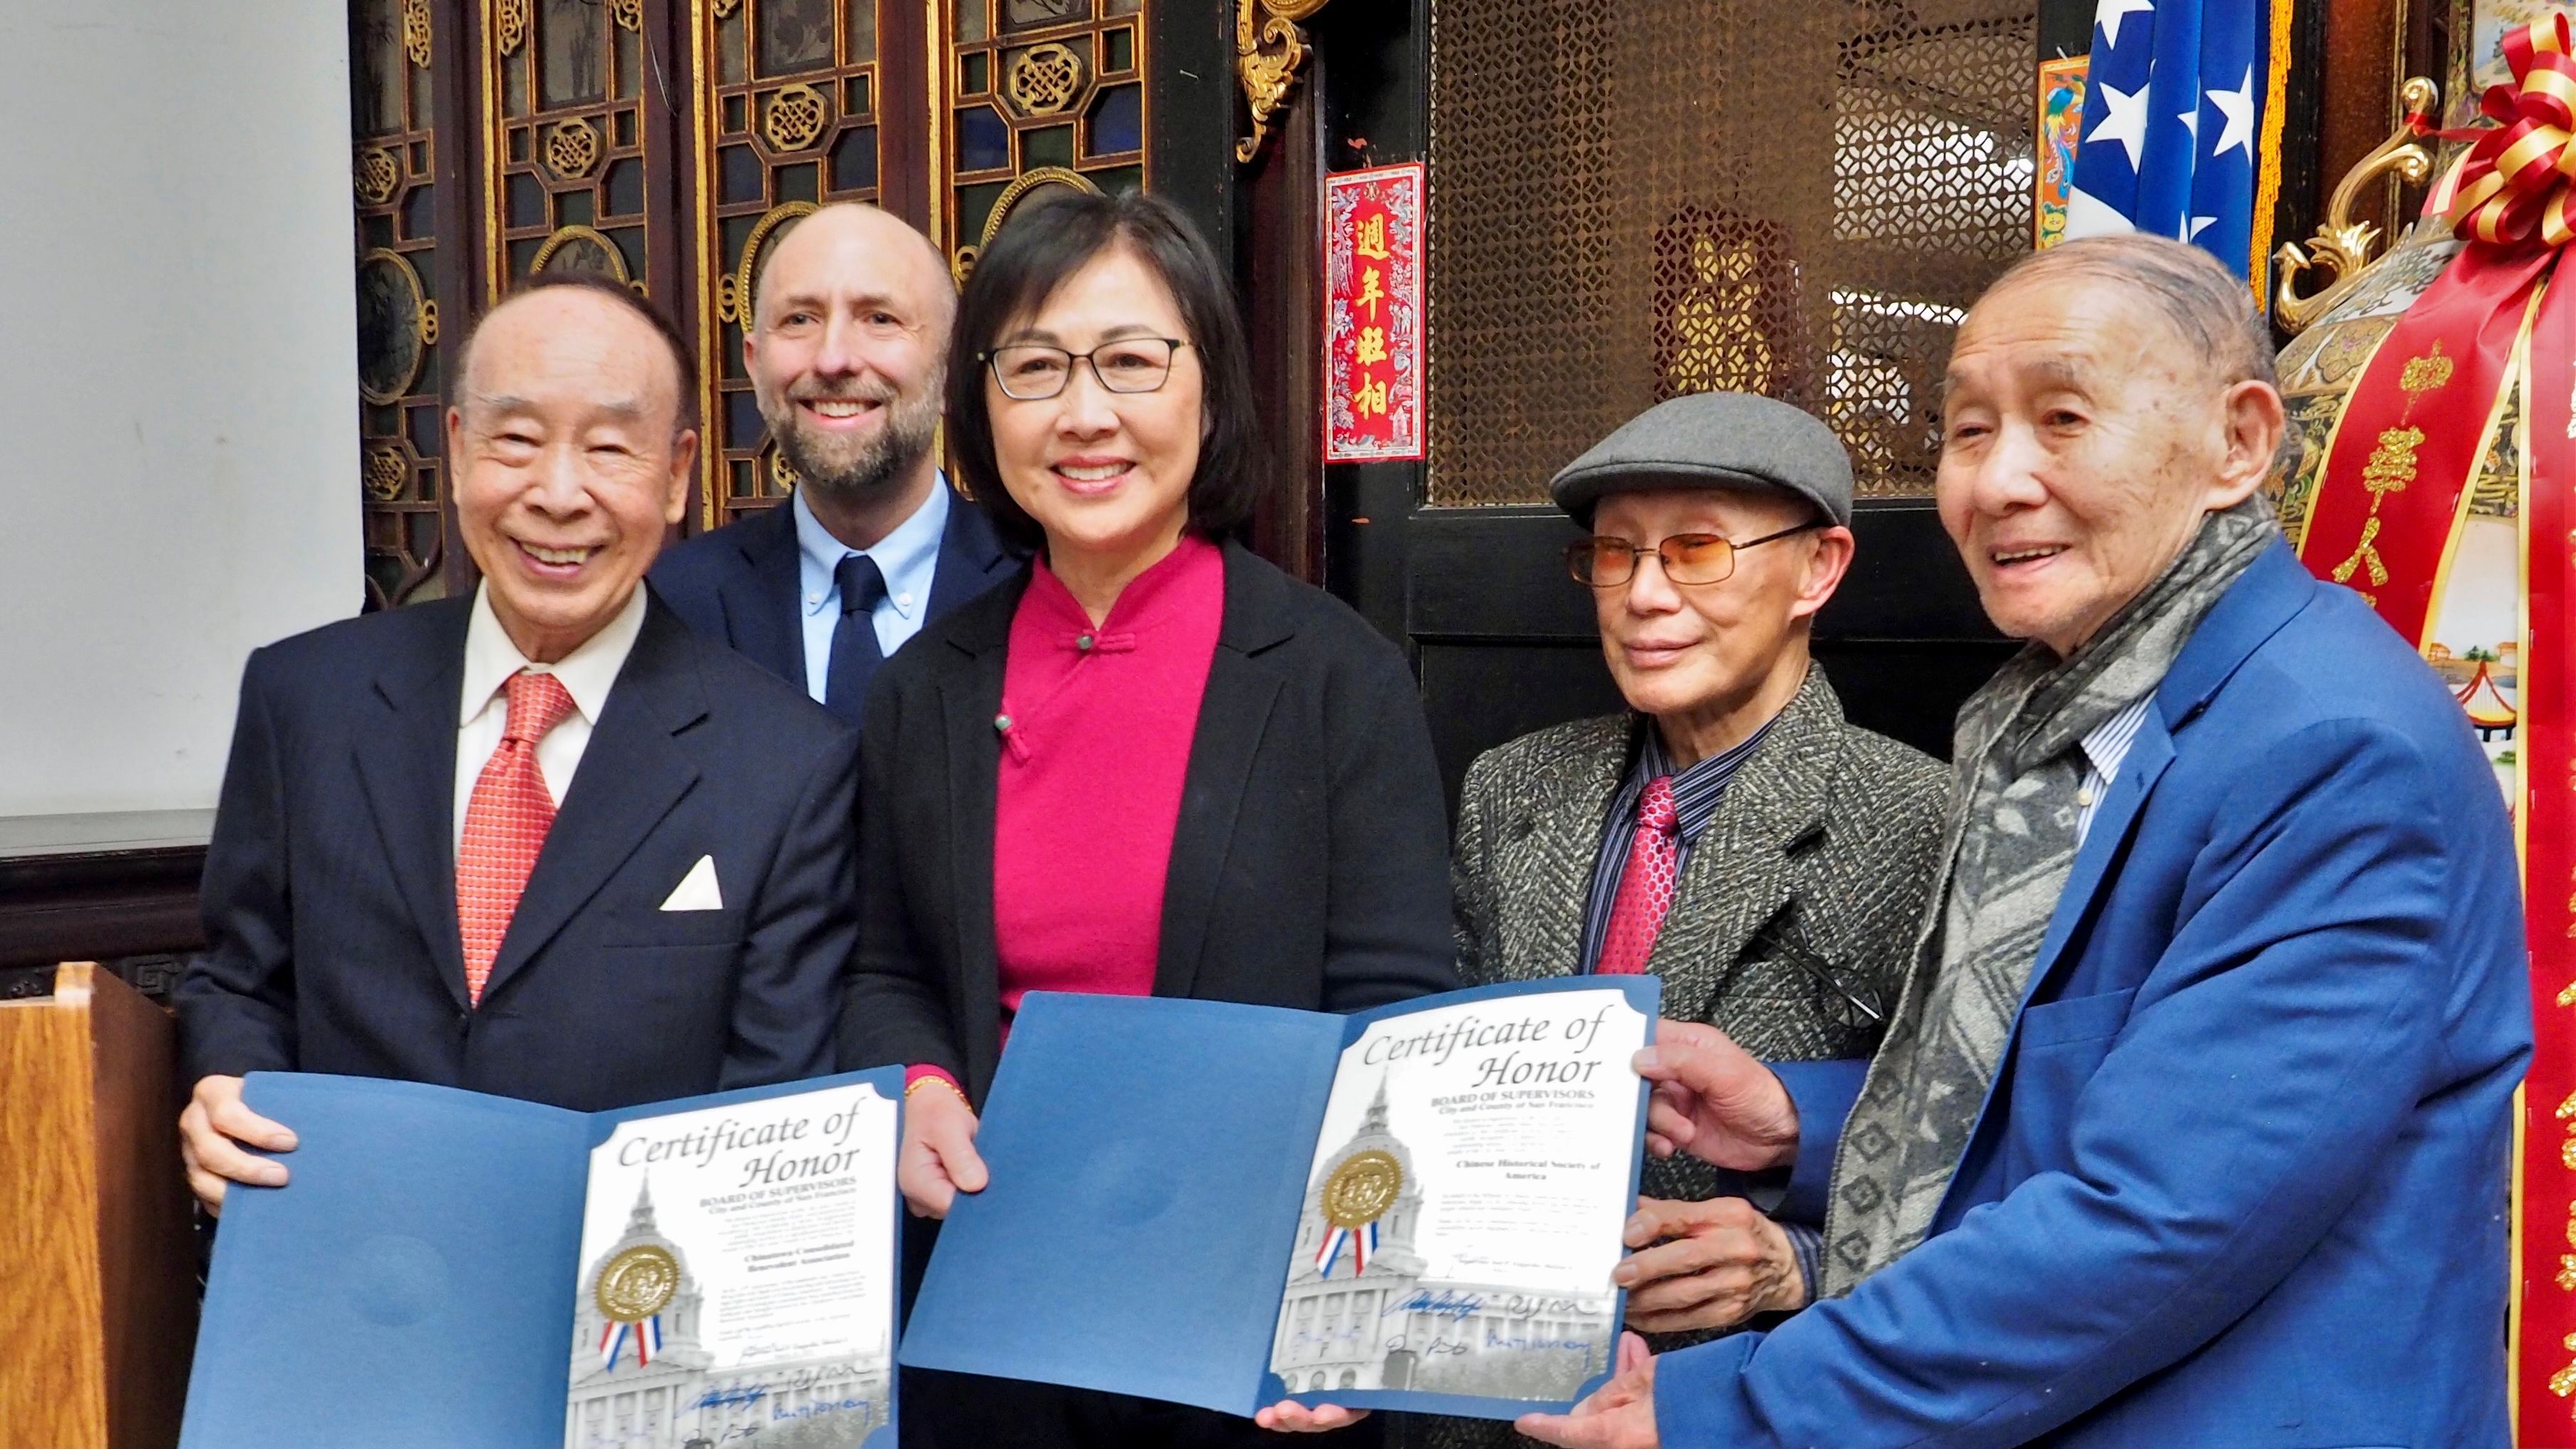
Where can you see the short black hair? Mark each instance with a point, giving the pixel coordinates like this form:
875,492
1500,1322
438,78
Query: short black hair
1043,244
683,360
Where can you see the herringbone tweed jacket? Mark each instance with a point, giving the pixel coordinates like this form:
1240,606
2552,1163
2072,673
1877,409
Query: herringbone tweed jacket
1824,844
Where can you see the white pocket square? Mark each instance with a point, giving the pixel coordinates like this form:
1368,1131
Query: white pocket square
697,890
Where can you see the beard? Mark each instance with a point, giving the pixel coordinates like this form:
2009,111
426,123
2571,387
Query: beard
854,469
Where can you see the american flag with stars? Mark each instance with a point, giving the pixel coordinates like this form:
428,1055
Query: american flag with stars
2173,123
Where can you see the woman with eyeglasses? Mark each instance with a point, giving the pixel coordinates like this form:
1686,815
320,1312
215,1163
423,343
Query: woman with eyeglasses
1151,764
1729,831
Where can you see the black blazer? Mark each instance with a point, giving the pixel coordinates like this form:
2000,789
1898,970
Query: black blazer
738,585
330,886
1309,864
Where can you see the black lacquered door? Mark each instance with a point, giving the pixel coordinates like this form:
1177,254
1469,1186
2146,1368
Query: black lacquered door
1640,199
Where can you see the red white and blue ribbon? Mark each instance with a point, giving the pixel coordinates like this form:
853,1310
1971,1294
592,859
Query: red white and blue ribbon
1363,1242
613,1335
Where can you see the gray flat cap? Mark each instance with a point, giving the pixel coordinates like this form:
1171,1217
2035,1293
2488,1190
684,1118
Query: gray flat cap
1713,440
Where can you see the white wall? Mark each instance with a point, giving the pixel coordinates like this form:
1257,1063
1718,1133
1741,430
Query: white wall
178,381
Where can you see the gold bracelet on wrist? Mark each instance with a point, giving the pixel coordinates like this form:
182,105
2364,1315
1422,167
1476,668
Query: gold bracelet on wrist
926,1079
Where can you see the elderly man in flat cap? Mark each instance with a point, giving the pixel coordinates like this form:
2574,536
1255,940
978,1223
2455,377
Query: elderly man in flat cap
2192,1122
1730,832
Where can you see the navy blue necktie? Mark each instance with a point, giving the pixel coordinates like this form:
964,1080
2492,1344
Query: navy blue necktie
855,655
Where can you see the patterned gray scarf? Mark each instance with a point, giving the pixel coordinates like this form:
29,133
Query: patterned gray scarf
2011,845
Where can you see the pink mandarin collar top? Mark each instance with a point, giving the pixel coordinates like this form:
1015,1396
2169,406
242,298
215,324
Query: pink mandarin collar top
1100,720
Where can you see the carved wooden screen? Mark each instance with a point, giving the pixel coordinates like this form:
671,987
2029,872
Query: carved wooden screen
393,166
1040,92
667,143
793,123
571,179
1633,199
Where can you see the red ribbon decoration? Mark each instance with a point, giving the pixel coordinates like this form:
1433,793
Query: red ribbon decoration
2412,435
2513,186
2387,513
2545,1207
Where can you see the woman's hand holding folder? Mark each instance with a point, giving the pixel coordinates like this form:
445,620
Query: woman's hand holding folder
938,1160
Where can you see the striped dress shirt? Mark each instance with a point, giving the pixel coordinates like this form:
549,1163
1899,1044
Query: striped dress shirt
1696,792
2106,745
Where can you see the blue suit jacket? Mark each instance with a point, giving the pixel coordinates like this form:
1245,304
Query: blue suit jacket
2242,1180
330,886
738,585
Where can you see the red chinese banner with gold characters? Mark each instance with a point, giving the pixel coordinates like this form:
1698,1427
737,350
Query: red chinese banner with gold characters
1373,315
2545,1207
2389,518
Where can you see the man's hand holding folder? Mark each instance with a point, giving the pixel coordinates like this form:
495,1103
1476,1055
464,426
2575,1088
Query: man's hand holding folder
210,1129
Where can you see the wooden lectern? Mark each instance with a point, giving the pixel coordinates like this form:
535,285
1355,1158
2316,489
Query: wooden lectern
98,1301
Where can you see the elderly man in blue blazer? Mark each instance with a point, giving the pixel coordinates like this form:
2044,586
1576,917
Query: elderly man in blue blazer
2191,1125
540,841
848,327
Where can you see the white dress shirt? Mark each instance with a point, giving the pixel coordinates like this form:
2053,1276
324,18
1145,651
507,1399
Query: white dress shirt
2106,745
588,673
908,557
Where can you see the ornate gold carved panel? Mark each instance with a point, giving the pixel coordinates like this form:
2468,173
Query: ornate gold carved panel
794,92
392,183
1633,199
1036,93
569,178
666,143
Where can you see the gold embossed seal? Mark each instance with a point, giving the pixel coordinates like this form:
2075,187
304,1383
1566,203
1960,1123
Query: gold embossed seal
1361,1190
638,1283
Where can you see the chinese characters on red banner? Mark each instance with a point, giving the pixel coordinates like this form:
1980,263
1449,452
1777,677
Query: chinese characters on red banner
1373,315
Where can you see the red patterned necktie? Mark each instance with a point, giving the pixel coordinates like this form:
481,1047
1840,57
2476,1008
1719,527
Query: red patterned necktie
1645,886
505,824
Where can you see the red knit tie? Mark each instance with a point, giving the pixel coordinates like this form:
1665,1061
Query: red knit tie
505,824
1645,886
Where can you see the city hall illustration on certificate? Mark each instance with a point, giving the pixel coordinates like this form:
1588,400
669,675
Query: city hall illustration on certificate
1463,1211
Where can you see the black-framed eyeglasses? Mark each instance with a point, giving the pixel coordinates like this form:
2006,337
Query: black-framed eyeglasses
1035,371
1860,1008
1605,561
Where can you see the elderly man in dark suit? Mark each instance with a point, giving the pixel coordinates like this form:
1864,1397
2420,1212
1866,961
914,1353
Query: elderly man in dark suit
1730,833
849,324
541,841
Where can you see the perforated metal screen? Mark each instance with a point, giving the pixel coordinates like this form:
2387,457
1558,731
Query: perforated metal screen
1634,199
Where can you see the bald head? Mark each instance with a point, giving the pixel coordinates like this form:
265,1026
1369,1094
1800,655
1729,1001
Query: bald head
853,242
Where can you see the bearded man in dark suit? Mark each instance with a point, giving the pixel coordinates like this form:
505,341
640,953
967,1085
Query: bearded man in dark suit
848,323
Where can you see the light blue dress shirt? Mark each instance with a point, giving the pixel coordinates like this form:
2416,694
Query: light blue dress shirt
908,557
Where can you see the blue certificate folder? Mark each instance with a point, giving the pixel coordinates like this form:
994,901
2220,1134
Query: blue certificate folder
1151,1160
414,1281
